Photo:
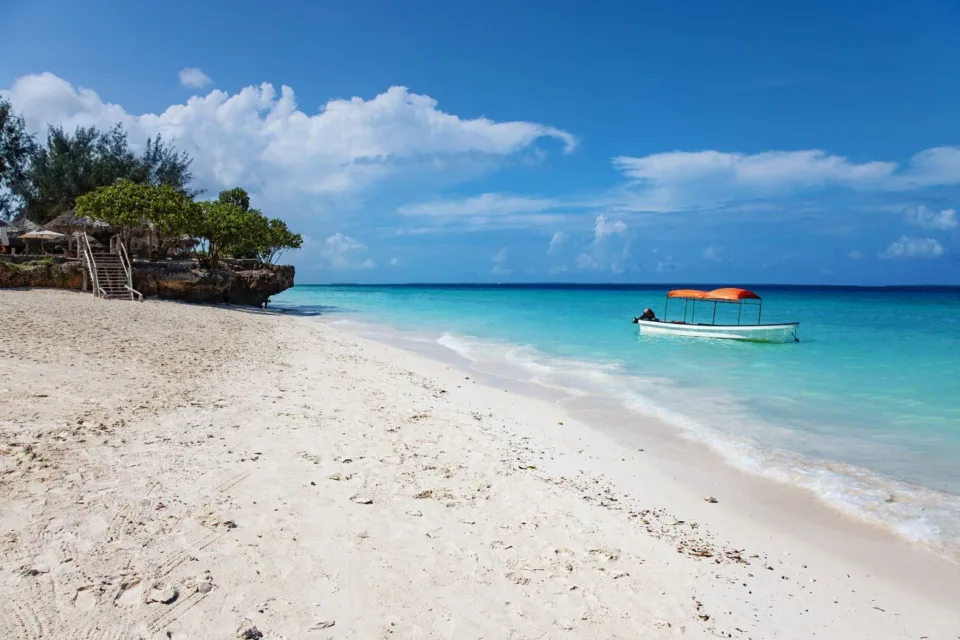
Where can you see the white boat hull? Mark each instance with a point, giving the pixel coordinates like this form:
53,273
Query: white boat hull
784,332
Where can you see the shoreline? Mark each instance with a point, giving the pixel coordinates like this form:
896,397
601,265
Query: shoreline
215,468
614,419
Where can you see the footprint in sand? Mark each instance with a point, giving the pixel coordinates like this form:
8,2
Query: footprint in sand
131,594
86,598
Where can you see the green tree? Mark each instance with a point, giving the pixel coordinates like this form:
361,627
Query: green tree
278,239
71,165
220,225
17,147
126,205
256,236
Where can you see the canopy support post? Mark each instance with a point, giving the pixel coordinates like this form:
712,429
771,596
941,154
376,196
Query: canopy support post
714,320
759,312
685,301
739,312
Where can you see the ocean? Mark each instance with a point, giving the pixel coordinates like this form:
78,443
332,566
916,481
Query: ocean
864,411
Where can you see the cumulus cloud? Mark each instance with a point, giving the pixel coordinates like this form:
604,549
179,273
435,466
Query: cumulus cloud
194,78
556,241
259,138
906,248
855,255
924,218
587,261
604,228
341,252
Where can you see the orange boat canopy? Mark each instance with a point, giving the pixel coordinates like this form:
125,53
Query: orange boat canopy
727,294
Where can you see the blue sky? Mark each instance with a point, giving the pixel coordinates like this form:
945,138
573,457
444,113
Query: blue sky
540,141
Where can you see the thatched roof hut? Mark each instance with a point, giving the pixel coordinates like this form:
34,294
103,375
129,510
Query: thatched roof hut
68,223
20,225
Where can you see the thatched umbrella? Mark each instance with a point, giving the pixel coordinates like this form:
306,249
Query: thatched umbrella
43,234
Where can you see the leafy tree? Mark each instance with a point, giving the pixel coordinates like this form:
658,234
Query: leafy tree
71,165
126,205
16,149
256,235
220,225
278,239
236,196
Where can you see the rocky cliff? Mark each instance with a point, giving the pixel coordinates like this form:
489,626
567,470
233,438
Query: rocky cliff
48,272
247,287
166,280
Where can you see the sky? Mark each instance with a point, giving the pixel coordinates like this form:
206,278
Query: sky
652,142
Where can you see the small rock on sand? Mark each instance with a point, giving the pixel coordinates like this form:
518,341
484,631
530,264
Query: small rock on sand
710,499
362,499
248,631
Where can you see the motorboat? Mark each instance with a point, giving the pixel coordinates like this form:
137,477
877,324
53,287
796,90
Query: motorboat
753,332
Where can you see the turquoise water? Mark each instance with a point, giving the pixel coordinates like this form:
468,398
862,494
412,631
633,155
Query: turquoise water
864,411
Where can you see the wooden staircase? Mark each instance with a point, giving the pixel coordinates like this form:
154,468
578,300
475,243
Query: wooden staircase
110,273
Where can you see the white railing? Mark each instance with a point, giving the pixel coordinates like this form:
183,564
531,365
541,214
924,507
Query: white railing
87,252
128,270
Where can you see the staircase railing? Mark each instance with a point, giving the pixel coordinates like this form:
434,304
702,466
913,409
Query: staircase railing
128,270
87,252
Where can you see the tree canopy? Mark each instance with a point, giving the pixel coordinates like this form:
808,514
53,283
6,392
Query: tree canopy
17,147
70,165
225,227
100,176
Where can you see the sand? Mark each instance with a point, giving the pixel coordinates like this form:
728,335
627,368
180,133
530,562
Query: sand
176,471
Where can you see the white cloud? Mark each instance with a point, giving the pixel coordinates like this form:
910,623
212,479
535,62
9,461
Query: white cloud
604,228
340,252
258,137
194,78
855,255
913,248
586,261
394,262
924,218
712,253
681,180
499,262
667,264
770,170
485,204
555,242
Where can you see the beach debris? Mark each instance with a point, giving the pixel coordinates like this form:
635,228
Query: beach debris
415,513
248,631
34,571
517,578
212,521
710,499
340,476
361,499
424,495
322,624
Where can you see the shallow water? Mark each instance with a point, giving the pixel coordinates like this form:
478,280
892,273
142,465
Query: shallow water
865,410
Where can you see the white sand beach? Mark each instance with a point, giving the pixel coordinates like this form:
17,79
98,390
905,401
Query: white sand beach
177,471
